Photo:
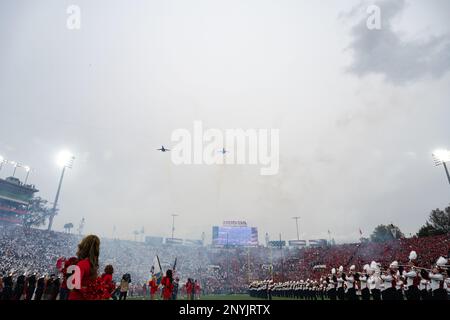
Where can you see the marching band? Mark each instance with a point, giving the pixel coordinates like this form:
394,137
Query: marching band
395,282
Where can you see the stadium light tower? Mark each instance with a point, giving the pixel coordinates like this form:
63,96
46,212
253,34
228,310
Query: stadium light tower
15,165
27,170
282,260
64,160
441,157
296,223
2,162
173,224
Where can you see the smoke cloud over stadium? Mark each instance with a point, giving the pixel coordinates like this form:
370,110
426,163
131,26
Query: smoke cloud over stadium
353,154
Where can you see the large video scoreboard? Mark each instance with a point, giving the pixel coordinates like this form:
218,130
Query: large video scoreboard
238,234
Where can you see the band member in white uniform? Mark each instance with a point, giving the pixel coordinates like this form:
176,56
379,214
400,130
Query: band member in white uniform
399,284
424,285
332,282
363,277
340,284
412,279
374,280
350,284
388,291
437,280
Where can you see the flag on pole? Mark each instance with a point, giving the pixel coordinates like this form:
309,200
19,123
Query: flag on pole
156,270
174,269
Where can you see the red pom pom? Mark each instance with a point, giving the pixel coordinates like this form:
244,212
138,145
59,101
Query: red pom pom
60,264
96,290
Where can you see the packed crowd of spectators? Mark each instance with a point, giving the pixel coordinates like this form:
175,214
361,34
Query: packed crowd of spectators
302,262
33,250
218,270
36,251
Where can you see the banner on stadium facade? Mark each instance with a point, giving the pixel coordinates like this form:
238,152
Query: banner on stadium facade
155,241
235,223
297,243
193,242
174,241
318,243
277,244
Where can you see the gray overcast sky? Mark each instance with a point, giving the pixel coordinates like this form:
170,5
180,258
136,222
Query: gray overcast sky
359,111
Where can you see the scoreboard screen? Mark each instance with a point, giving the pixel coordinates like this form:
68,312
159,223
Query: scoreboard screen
235,236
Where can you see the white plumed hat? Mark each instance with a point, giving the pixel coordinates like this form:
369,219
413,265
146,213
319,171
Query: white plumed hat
341,268
366,266
333,271
352,267
394,264
374,265
412,255
441,262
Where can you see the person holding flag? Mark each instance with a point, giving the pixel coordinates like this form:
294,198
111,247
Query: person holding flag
156,270
176,284
153,285
156,273
176,281
167,283
174,269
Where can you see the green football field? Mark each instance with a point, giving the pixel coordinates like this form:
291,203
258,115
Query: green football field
237,297
218,297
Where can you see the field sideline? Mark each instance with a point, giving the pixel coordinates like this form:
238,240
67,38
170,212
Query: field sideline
224,297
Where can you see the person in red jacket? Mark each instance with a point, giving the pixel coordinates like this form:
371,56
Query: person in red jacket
87,254
66,263
189,289
167,283
197,290
153,285
107,278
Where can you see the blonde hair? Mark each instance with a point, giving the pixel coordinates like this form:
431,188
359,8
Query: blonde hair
89,248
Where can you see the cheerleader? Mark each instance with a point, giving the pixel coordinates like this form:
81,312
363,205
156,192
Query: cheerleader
167,283
107,278
87,254
152,284
189,289
197,289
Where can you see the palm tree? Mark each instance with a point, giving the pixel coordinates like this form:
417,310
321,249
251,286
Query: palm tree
142,233
135,232
68,226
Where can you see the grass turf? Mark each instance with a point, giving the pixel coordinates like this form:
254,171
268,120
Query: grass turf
220,297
